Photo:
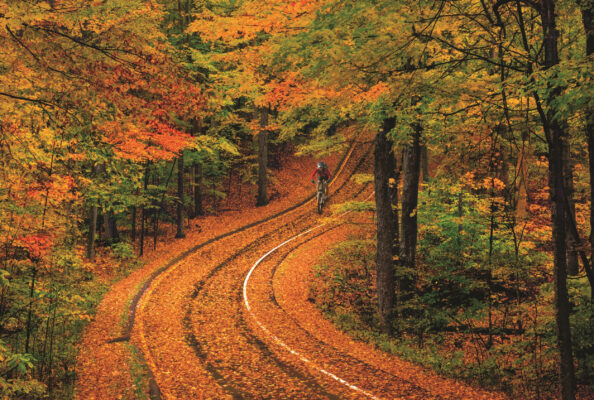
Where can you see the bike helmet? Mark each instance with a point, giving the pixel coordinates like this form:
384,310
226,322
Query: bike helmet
321,164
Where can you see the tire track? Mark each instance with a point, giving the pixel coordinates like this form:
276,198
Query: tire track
134,304
155,390
191,338
291,349
329,348
250,338
339,360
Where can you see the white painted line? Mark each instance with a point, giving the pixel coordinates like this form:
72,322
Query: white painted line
279,341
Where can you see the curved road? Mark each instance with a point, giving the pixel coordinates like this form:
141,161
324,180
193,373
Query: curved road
211,325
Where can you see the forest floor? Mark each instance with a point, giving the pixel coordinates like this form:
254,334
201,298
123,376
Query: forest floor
203,319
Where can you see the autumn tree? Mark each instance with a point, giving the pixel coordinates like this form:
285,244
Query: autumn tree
241,35
88,97
479,75
385,225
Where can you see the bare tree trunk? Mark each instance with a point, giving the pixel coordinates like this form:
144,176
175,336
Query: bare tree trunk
555,137
92,233
188,9
214,196
198,210
180,198
143,211
111,229
385,226
571,241
30,312
587,17
559,219
156,215
410,195
229,185
133,227
51,351
262,198
396,169
521,184
92,225
424,163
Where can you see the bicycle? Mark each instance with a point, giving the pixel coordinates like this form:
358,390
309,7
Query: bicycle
321,194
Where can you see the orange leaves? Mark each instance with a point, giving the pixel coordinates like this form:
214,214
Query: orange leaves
249,19
373,93
179,372
299,5
37,245
245,34
493,183
149,98
153,141
471,181
100,60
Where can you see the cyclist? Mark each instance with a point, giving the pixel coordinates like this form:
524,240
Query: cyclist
323,177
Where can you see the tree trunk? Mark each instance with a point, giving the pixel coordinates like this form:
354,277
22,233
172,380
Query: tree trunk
92,233
92,226
156,215
180,198
229,185
571,241
111,229
521,182
143,211
30,312
555,137
262,198
394,197
558,216
410,195
198,210
133,227
424,163
385,227
587,14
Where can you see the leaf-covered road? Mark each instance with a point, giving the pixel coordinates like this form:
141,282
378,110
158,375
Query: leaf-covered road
199,340
191,323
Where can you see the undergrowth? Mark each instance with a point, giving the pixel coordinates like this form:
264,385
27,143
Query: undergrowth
522,365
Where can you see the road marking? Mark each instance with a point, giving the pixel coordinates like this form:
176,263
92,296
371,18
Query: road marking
279,341
154,281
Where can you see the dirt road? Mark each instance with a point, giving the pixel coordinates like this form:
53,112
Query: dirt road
222,323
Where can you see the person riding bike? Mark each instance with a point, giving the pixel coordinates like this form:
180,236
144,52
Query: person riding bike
323,176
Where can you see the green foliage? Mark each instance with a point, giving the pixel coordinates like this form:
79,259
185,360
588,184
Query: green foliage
123,250
321,146
352,206
457,281
455,240
64,298
362,178
344,282
582,325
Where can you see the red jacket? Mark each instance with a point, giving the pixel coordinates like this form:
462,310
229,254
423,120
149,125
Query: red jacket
324,173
